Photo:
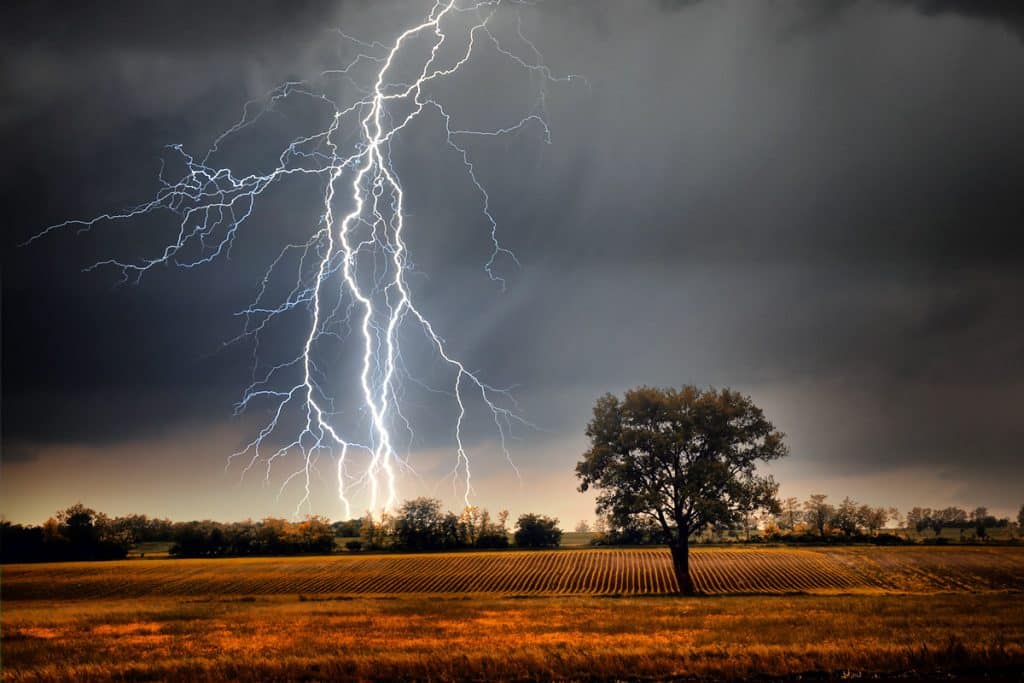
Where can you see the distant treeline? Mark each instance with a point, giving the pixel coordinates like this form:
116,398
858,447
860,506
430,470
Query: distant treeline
814,520
81,533
76,533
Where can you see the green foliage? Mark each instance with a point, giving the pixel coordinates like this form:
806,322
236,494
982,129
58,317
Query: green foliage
682,458
537,531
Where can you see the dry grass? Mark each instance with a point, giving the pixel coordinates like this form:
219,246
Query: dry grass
285,638
867,610
866,570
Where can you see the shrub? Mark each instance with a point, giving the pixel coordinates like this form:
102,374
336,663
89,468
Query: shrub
537,531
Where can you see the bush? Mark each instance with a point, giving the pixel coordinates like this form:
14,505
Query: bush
537,531
354,546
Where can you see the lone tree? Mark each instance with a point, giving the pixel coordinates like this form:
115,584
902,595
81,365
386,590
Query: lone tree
684,458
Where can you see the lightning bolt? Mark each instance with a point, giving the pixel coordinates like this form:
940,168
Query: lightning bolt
351,273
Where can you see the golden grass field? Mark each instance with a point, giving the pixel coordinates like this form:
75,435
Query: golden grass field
519,615
591,572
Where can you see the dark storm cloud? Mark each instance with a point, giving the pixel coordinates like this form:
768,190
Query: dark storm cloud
1009,14
813,201
813,14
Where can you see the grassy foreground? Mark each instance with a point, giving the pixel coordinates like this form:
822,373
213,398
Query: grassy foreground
208,638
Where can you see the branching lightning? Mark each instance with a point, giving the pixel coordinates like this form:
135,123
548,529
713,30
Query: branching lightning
351,272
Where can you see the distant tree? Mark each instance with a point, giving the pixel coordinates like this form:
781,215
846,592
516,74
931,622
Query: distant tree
754,520
582,527
872,518
847,517
817,513
90,535
347,528
191,539
272,536
919,519
953,517
315,535
471,523
770,526
789,516
937,520
20,543
269,536
452,532
52,533
681,458
137,528
634,530
475,529
491,534
77,524
1020,518
373,533
935,523
537,531
419,524
893,516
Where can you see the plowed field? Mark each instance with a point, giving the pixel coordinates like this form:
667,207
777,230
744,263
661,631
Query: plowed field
582,572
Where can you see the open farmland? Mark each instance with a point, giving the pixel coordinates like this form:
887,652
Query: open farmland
449,638
519,615
570,572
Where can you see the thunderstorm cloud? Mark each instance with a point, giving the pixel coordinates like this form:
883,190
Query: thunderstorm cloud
816,203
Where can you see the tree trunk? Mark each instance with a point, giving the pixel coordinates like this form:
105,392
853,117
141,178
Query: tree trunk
681,565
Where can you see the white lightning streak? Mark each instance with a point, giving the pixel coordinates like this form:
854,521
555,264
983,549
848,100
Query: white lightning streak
213,203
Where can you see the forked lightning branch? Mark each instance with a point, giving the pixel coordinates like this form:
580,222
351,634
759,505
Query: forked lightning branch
350,275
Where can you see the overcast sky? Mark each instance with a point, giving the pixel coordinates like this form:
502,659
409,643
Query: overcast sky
819,204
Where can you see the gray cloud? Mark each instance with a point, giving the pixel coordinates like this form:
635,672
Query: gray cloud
816,203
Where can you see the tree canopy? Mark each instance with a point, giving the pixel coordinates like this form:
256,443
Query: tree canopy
683,458
537,531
